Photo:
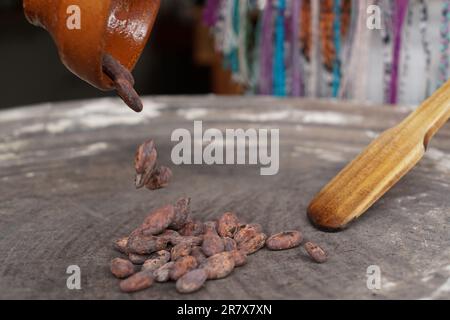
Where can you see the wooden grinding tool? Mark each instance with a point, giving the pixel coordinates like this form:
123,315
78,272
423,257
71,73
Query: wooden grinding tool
384,162
106,47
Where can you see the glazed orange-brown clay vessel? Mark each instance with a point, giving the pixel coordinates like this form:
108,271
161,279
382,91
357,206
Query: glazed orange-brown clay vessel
119,28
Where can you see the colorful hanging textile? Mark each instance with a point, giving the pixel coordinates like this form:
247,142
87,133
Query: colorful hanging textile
401,7
279,83
445,41
423,25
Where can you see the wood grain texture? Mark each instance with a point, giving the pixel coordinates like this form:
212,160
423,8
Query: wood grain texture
66,192
380,166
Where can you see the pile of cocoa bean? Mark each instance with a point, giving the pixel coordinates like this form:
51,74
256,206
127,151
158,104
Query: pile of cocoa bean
171,245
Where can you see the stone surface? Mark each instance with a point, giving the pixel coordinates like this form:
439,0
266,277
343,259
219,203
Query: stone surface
67,191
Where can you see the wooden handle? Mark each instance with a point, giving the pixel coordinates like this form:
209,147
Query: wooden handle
382,164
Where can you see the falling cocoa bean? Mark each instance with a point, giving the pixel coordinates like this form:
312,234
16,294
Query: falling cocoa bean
191,281
159,179
144,162
121,268
182,210
227,225
219,265
145,244
284,240
192,228
180,250
198,254
156,260
212,243
138,281
162,273
158,220
247,232
315,252
229,244
182,266
121,245
240,258
253,244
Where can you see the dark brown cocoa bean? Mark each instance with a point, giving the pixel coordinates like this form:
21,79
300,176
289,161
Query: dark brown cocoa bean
212,244
159,178
182,211
138,281
144,162
158,220
284,240
121,245
180,250
145,244
227,225
229,244
192,228
245,232
121,268
315,252
210,226
198,254
219,265
192,240
162,274
240,258
182,266
138,259
191,281
253,244
156,260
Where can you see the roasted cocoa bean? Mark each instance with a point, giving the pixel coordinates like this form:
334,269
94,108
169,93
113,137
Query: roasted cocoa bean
158,220
121,245
180,250
240,258
121,268
219,265
212,244
192,240
138,259
138,281
162,274
159,179
246,232
253,244
145,244
182,266
315,252
229,244
227,225
182,211
191,281
156,260
284,240
144,162
192,228
210,226
198,254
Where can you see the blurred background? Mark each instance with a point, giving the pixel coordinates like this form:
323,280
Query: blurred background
180,57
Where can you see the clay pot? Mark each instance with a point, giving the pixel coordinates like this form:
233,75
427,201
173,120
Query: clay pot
118,27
